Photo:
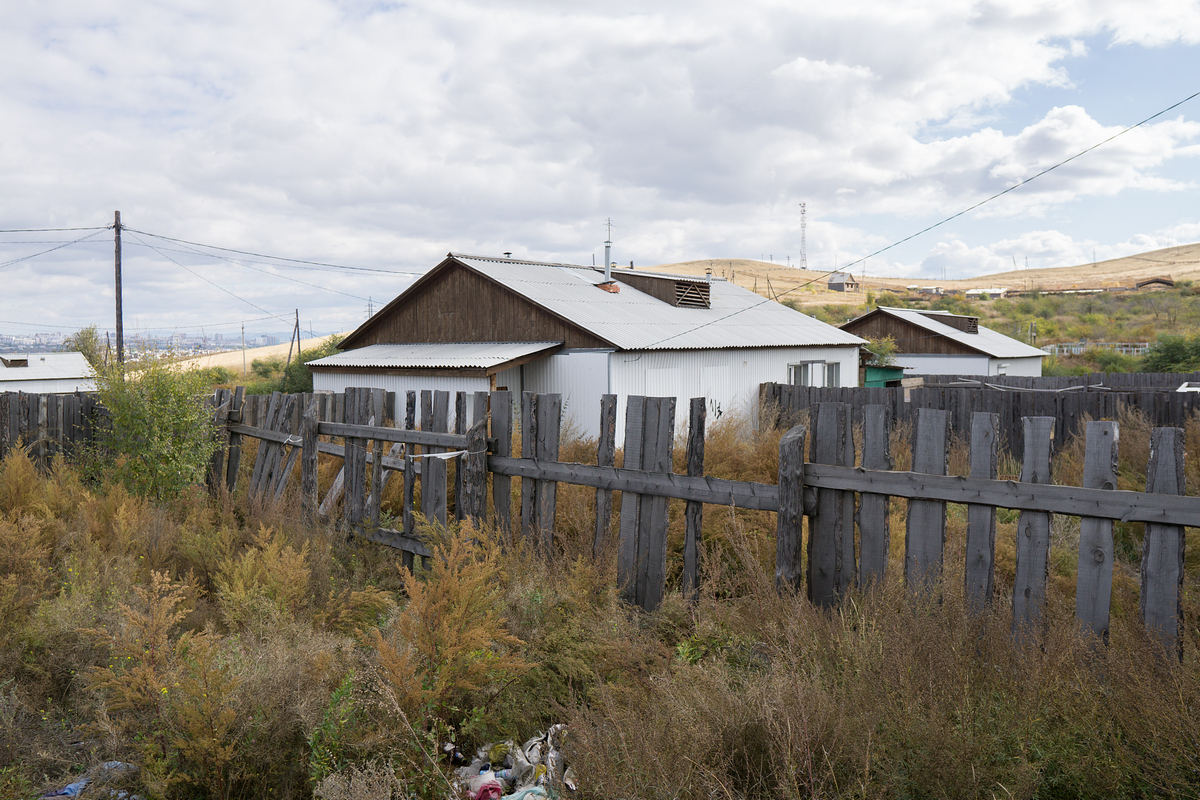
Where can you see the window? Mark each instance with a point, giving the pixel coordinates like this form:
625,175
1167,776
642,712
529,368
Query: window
815,373
833,374
800,374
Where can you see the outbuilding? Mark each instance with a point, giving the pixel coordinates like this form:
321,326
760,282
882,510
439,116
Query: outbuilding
477,323
46,373
842,282
941,343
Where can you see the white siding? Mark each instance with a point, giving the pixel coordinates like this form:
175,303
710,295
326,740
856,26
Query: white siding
50,386
929,364
1016,366
580,376
729,379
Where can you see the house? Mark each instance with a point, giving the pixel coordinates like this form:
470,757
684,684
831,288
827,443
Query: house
476,323
1157,282
990,294
842,282
46,373
941,343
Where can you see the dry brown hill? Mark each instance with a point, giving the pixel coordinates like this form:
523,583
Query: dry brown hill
808,286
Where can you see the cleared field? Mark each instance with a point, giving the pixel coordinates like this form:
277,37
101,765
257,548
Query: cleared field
234,359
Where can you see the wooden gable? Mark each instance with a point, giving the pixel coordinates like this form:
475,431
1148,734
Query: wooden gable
909,338
453,303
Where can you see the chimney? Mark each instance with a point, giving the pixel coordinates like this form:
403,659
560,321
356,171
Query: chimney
608,260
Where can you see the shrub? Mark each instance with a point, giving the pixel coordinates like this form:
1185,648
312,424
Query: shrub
161,436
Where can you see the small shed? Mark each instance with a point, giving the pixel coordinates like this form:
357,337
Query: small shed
842,282
941,343
46,373
1158,282
478,323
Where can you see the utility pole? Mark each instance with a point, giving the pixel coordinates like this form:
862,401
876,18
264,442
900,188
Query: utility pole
117,261
243,348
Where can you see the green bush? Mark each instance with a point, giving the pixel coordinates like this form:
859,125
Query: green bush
160,436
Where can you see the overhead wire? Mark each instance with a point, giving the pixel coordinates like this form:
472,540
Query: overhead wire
936,224
48,230
50,250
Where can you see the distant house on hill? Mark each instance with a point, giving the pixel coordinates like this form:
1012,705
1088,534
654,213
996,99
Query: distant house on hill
476,323
842,282
1157,282
941,343
46,373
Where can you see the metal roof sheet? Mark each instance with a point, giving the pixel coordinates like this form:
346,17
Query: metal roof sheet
45,366
986,341
634,320
441,355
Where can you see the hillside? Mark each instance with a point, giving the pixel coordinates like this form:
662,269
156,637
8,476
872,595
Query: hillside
1181,263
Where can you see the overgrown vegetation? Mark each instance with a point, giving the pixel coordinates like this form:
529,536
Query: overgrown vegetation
231,651
274,374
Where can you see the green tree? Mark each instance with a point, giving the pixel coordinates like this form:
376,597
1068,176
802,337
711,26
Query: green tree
161,436
297,377
1173,354
86,341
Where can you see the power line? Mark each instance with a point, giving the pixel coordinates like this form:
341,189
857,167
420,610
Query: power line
936,224
277,258
47,230
52,249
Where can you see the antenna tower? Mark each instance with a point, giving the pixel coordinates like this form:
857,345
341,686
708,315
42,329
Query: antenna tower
803,230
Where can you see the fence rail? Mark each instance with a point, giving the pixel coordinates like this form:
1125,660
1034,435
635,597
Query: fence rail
832,523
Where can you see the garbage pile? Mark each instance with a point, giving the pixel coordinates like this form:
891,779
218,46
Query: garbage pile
107,772
503,771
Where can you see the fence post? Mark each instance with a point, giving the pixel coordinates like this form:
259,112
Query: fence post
1093,587
828,573
529,421
627,545
925,534
408,523
606,451
501,419
549,425
980,572
1033,531
433,470
474,483
378,400
460,426
652,522
789,534
1163,546
234,461
355,460
874,527
308,463
693,511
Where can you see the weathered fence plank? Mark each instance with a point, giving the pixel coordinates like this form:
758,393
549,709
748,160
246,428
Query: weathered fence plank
473,499
789,531
828,573
355,463
874,525
652,522
234,461
1163,546
627,547
693,511
925,533
308,464
460,427
1033,532
1093,586
979,574
549,425
501,419
606,451
433,470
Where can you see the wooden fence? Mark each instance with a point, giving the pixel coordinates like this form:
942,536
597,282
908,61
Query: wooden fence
1068,408
832,520
49,424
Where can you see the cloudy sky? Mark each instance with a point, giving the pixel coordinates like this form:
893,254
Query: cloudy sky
382,135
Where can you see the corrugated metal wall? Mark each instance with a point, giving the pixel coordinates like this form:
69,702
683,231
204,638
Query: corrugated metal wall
339,381
51,386
581,376
931,364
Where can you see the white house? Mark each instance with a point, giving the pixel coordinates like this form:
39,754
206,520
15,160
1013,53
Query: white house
941,343
46,373
475,323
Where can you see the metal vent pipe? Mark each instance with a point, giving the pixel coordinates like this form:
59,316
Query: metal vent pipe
608,261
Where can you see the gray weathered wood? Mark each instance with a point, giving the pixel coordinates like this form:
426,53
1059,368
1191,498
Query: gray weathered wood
399,540
460,427
440,439
979,573
789,533
219,401
1093,585
549,424
1161,602
828,575
606,452
627,545
378,419
285,472
925,532
357,410
264,449
407,520
874,526
1033,533
433,473
657,452
501,422
474,485
308,465
234,461
693,512
529,420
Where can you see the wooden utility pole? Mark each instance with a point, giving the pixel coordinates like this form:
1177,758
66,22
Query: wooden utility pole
117,261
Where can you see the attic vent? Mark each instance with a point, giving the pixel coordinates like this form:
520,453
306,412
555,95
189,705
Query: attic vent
16,361
692,294
972,325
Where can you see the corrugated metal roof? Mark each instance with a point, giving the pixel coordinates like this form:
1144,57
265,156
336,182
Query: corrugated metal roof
44,367
442,355
987,341
634,320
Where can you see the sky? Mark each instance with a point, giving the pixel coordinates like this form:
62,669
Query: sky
380,136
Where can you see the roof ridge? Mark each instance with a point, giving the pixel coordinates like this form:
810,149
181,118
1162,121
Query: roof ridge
499,260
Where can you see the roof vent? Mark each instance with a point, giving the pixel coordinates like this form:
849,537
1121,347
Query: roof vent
693,294
16,361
